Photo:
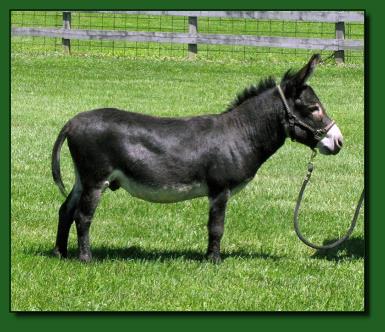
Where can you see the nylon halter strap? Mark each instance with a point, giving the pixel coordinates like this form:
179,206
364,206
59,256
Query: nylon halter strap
293,120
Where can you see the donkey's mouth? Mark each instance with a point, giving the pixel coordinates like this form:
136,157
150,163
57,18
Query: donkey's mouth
326,151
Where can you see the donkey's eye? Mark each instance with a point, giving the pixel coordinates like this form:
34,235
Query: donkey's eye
316,111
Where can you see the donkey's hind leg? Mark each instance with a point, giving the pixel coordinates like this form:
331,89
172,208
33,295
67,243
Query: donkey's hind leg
66,218
88,202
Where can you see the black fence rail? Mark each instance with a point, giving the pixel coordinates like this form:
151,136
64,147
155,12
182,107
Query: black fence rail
336,31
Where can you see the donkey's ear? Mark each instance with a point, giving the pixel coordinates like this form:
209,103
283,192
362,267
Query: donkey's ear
304,74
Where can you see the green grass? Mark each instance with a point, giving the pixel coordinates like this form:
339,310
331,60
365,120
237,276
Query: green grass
149,256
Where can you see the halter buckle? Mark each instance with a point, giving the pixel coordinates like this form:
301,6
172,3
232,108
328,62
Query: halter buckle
319,134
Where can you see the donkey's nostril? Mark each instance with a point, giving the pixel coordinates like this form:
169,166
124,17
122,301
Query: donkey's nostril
340,142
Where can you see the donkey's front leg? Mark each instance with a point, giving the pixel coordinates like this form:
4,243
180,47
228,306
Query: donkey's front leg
218,202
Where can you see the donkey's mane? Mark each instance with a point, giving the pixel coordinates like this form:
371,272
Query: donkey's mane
255,90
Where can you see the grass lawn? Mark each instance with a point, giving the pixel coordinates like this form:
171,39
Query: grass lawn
149,256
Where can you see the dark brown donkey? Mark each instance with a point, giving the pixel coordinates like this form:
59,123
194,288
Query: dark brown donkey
167,160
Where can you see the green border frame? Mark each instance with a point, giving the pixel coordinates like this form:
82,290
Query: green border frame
373,318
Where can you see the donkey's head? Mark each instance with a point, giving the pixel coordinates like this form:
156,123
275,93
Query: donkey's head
306,120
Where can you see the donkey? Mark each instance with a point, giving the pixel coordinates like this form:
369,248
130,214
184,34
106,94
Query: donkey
167,160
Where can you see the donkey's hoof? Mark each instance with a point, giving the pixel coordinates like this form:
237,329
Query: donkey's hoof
58,253
214,258
86,258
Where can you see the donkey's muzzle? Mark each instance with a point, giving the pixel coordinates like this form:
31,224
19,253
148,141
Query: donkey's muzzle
332,142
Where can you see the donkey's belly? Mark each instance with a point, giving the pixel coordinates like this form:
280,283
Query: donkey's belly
159,194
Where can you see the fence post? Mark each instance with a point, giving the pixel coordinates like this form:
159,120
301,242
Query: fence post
66,25
340,34
193,30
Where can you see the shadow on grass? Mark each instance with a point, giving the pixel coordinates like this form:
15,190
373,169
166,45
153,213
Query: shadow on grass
353,248
139,254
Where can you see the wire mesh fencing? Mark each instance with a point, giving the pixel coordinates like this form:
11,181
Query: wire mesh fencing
168,23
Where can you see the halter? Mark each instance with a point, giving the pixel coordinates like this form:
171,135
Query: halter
293,120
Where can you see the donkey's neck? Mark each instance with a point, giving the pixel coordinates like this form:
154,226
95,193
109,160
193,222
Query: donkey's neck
260,123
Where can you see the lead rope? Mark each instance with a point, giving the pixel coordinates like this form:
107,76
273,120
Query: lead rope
310,168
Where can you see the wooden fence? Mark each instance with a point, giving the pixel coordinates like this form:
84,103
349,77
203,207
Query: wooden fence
338,44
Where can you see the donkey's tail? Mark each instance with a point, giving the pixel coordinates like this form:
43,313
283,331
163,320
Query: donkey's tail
55,165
